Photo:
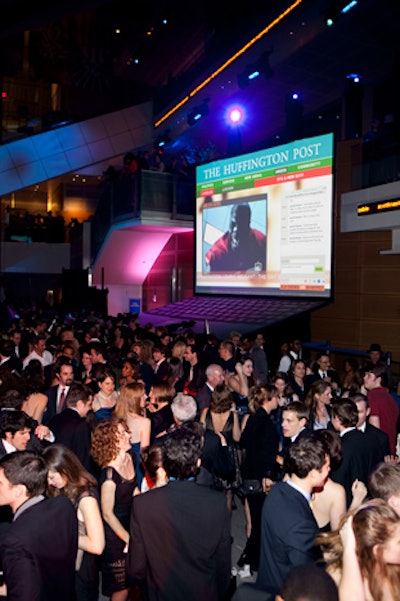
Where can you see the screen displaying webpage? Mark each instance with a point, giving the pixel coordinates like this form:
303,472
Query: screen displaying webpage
264,221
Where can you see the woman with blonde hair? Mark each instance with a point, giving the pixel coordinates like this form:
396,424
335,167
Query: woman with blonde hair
363,557
178,349
130,407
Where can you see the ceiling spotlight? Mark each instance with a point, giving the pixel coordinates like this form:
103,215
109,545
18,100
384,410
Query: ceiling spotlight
162,139
261,66
198,112
345,9
254,74
337,9
235,115
354,77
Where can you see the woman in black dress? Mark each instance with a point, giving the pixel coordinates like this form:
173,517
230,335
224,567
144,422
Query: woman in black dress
297,375
111,447
67,476
260,445
158,409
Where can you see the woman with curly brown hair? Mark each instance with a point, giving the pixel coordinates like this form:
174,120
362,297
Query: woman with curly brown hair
111,448
363,556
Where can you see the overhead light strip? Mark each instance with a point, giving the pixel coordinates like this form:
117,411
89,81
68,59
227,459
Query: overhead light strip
228,62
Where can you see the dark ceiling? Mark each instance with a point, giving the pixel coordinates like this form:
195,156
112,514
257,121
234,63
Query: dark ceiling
305,55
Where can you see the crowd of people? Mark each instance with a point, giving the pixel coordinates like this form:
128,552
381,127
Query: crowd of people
50,227
124,450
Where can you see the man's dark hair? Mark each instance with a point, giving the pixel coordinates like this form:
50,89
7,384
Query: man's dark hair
346,411
29,469
305,454
60,362
98,347
182,449
7,347
298,408
321,354
37,337
194,349
14,421
309,583
380,371
161,348
78,392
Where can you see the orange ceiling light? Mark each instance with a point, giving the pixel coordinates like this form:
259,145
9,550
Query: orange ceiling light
228,62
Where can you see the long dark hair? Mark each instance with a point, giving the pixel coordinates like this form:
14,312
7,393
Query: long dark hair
60,458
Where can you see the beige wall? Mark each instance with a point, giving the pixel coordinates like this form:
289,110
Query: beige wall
366,306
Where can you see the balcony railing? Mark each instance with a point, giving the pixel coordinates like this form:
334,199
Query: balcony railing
127,197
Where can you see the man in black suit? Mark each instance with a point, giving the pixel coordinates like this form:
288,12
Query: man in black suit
217,462
21,347
161,366
288,526
195,375
192,523
7,358
15,434
10,367
295,416
66,350
214,376
323,371
38,550
57,394
226,352
357,455
71,428
378,440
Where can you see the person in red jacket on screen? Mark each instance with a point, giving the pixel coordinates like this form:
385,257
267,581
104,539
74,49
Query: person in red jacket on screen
241,248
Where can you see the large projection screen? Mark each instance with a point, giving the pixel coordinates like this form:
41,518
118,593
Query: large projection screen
264,222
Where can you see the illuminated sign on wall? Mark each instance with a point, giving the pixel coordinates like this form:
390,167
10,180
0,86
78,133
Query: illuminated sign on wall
383,206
